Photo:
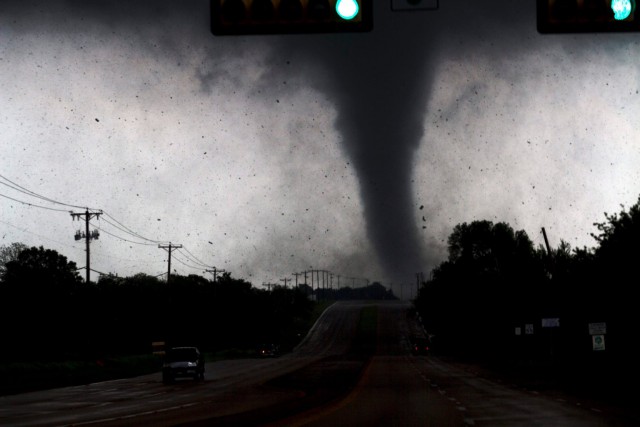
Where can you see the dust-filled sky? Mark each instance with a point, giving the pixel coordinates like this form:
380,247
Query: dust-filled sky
271,155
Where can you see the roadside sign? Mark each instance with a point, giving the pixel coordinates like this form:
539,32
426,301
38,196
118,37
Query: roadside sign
598,342
518,330
528,329
552,322
158,347
599,328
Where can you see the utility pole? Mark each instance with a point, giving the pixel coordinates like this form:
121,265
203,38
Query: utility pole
88,236
317,280
296,275
215,272
315,283
311,271
285,280
169,248
305,276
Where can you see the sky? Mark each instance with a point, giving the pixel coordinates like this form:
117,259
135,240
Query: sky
265,156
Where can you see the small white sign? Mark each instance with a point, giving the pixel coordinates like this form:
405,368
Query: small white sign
528,329
518,330
552,322
414,5
597,328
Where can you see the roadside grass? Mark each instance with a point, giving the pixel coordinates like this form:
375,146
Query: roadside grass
317,311
20,377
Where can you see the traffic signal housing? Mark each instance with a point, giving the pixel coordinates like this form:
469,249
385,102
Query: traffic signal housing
587,16
229,17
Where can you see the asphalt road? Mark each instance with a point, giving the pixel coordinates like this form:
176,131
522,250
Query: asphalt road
231,388
327,381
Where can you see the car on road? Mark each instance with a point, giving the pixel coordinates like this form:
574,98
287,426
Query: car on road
182,362
420,346
268,350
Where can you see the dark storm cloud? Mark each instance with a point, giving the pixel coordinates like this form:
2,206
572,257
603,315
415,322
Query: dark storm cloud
379,88
162,28
380,119
380,83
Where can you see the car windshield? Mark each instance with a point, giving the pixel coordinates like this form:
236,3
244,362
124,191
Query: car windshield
164,183
182,354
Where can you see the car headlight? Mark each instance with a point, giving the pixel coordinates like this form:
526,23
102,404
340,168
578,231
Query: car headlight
192,364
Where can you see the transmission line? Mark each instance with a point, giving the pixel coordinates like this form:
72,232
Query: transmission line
24,190
32,204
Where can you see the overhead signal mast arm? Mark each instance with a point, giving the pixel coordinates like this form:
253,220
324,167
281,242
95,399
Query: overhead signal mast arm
237,17
587,16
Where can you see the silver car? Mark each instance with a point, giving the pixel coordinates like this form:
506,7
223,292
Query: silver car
182,362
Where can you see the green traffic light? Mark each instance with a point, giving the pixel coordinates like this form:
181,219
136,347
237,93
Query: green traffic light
621,9
347,9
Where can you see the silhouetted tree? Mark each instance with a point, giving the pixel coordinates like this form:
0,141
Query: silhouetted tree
39,293
483,288
62,317
494,278
41,268
616,269
129,312
619,241
10,253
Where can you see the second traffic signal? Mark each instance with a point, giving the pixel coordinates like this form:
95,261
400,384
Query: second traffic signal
587,16
290,16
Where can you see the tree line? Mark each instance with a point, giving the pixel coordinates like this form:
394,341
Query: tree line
48,312
496,296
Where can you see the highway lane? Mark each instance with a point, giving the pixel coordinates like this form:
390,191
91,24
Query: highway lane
398,389
131,400
230,387
390,388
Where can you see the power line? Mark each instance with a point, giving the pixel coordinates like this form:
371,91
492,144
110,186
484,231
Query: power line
195,258
121,238
185,264
31,204
31,193
127,229
91,212
24,190
24,230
